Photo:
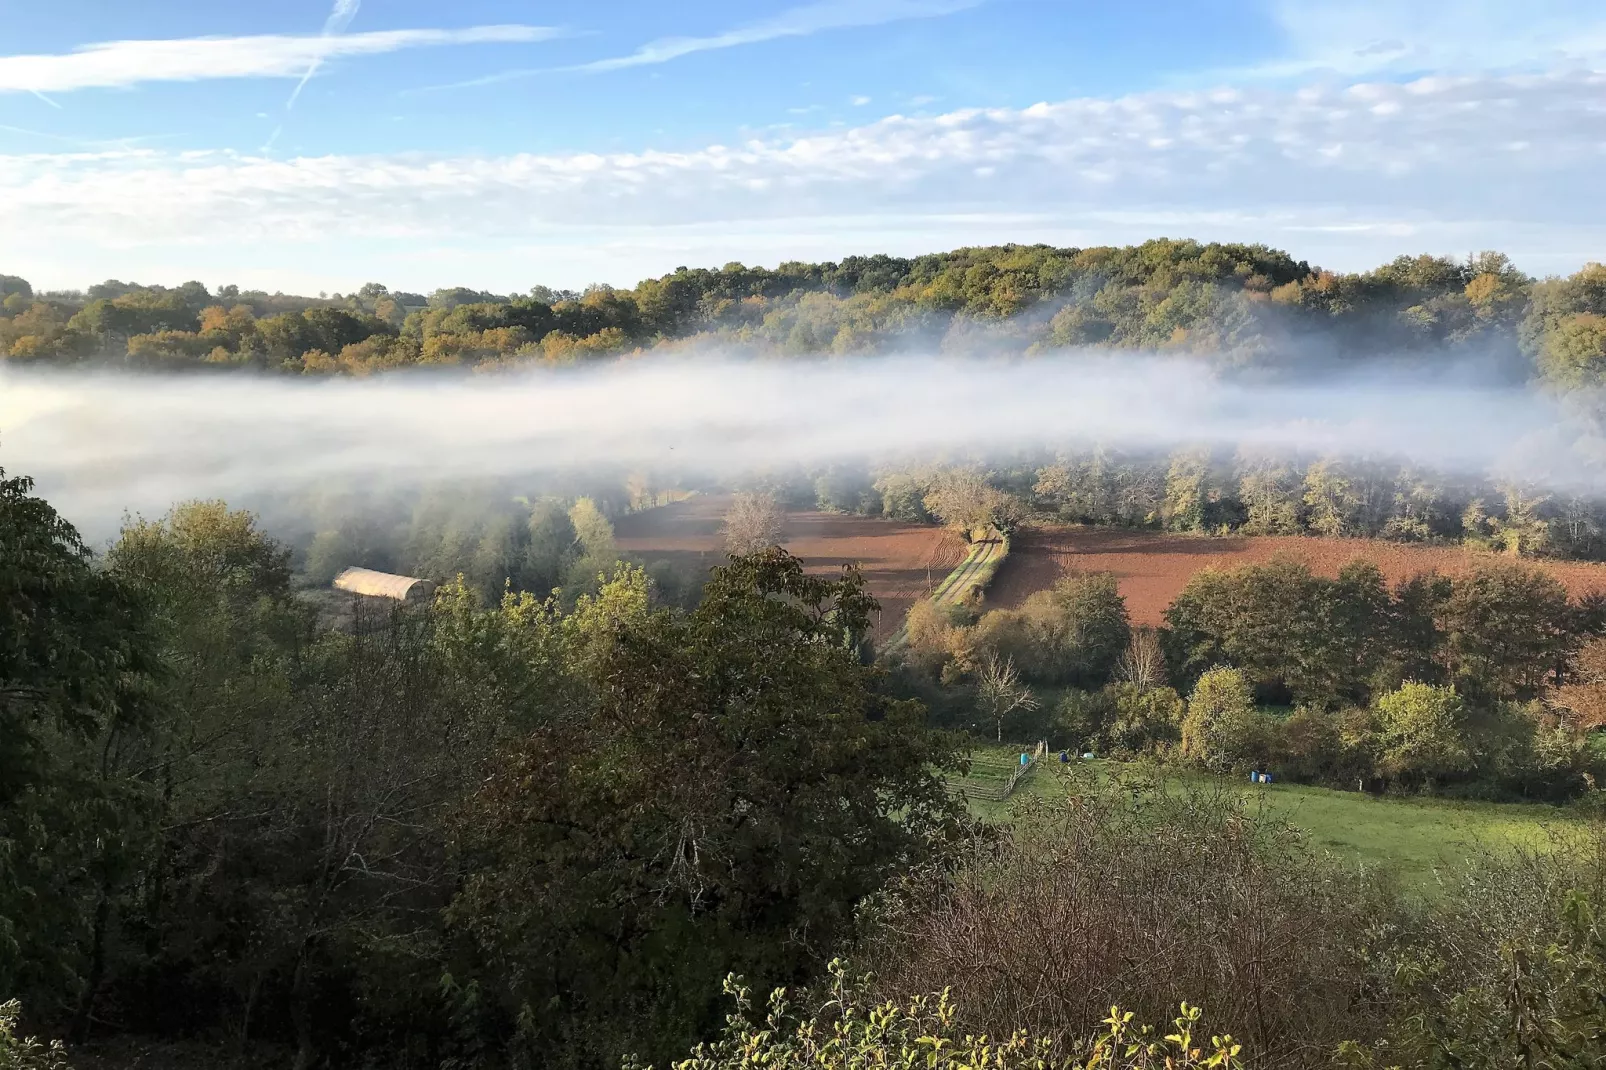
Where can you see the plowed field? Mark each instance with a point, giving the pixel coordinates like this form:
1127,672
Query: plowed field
900,562
1152,567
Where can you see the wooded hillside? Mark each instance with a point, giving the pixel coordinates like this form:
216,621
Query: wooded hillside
1238,304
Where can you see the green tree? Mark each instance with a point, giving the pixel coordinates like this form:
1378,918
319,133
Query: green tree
1421,734
1220,727
1187,491
1345,500
1320,639
77,664
1076,631
966,501
1506,630
1269,490
725,780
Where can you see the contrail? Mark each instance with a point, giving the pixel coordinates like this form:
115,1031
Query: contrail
344,11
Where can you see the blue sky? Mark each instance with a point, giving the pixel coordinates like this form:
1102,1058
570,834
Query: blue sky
315,146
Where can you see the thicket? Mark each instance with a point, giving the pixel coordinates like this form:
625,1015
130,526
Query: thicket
1132,890
519,833
1485,683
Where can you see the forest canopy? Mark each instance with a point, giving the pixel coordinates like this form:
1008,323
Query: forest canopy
1242,305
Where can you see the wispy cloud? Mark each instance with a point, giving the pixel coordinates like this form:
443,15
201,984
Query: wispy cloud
1344,175
797,22
340,18
121,64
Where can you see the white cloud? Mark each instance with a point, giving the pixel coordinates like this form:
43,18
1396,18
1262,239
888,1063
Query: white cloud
1346,175
120,64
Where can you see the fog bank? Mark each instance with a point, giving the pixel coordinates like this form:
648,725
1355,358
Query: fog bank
103,444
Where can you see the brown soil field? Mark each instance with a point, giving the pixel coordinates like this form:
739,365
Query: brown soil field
1153,567
901,562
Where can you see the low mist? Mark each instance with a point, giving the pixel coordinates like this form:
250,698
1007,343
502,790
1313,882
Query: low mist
101,445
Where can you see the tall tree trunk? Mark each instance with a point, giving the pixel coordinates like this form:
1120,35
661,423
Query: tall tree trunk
247,1014
301,1009
82,1015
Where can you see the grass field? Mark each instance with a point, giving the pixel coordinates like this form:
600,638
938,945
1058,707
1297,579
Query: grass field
1414,837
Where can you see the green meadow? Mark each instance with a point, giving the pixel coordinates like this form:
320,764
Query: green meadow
1413,836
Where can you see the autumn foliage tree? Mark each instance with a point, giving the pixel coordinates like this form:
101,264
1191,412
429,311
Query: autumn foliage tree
752,523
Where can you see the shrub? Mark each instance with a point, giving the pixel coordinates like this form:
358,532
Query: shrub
1222,728
1506,968
1075,632
1145,721
26,1053
1421,734
852,1031
1131,892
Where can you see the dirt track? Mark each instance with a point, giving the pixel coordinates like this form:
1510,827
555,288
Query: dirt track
900,562
1153,567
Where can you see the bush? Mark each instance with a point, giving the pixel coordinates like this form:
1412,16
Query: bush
26,1053
1132,892
1145,722
1222,729
1421,734
1506,968
1075,632
851,1031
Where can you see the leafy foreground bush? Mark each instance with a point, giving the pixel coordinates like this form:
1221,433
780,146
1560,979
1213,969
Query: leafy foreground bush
852,1031
25,1053
1507,969
1139,892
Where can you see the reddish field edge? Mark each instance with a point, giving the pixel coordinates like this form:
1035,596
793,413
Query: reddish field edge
1152,567
901,562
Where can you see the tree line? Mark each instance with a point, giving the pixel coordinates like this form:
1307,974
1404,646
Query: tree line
1241,305
1204,491
1485,684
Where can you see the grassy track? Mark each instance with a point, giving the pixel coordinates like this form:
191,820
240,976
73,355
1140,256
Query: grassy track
1413,836
971,574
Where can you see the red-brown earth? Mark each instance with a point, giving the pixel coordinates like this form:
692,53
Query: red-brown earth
901,562
1152,567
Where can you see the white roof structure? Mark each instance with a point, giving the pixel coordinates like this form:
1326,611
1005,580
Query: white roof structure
365,581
